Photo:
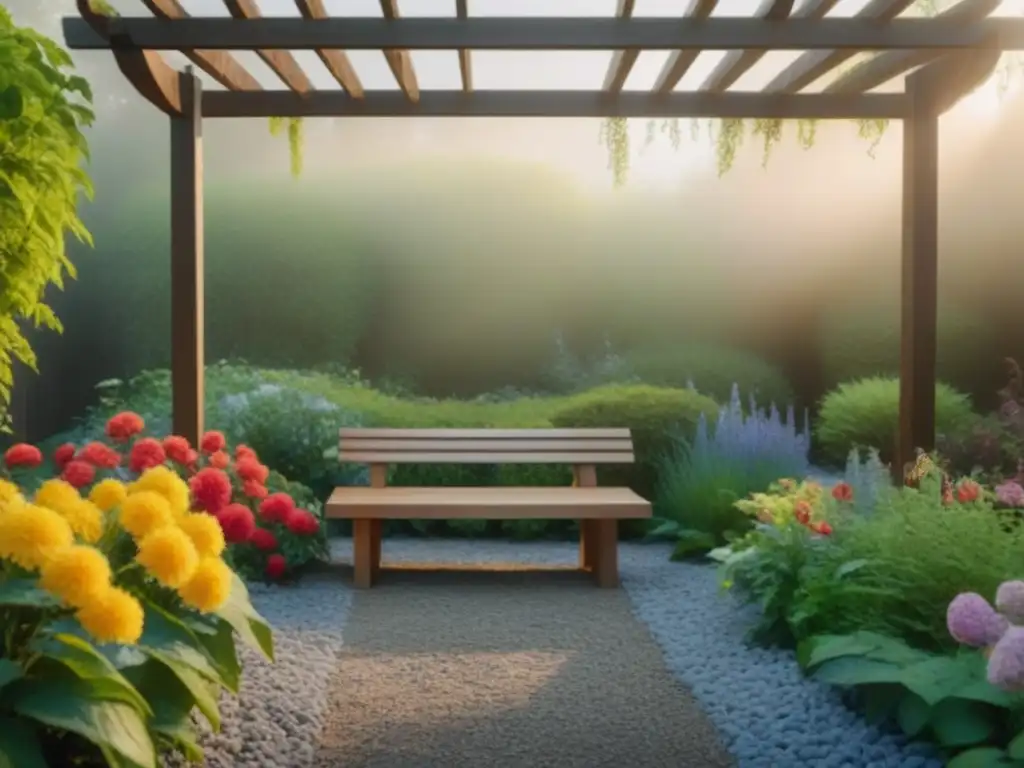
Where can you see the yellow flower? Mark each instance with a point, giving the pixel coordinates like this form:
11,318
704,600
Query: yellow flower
169,556
85,519
78,575
9,494
29,535
56,494
107,494
113,617
143,512
205,532
209,587
165,481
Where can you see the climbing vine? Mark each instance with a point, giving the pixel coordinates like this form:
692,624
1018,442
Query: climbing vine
292,126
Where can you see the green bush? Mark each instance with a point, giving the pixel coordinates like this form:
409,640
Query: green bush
654,415
713,369
865,414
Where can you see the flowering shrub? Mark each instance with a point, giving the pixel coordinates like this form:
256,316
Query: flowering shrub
788,502
999,631
119,616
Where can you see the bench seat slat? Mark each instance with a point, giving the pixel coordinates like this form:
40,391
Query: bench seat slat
494,503
431,445
387,433
452,457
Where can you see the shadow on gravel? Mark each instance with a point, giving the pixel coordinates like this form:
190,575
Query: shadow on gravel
505,668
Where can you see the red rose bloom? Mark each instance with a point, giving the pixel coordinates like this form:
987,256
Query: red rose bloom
123,426
802,512
78,473
249,468
254,490
276,566
967,491
842,492
212,441
63,454
823,528
302,522
100,455
211,490
23,455
276,507
177,448
145,454
220,460
242,450
237,522
263,539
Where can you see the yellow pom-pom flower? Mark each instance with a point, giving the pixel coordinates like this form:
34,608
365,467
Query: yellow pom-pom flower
85,519
108,494
165,481
56,494
209,587
169,555
144,512
9,495
115,616
78,575
30,535
205,532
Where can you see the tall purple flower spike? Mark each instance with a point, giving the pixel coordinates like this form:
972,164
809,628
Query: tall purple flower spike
1006,664
1010,601
972,621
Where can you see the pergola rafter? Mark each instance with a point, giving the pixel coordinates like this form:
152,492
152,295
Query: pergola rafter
953,54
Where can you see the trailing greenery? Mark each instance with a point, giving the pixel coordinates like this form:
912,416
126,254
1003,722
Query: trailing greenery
43,108
292,126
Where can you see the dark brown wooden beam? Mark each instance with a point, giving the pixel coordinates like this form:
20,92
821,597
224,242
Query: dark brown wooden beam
219,65
815,64
465,62
281,62
735,64
582,34
622,61
337,62
455,103
187,333
398,59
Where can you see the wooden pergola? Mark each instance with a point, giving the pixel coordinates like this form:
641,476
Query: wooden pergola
942,59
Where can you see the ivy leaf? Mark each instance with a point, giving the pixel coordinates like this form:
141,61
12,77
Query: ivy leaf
11,103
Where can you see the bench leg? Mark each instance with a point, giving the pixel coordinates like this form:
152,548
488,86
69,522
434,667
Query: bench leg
376,529
363,551
588,545
606,538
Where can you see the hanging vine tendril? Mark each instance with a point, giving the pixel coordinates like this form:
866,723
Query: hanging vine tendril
296,140
615,137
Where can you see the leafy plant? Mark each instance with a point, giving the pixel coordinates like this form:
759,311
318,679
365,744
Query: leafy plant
43,110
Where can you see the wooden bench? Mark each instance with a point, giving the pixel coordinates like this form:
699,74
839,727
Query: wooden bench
597,509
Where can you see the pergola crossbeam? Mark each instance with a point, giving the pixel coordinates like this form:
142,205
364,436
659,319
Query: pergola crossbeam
282,63
736,63
679,62
465,63
397,58
337,62
622,61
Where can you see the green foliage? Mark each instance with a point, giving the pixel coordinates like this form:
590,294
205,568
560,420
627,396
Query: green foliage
293,127
43,109
865,414
944,698
713,369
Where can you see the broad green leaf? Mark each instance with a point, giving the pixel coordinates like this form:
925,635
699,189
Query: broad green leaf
851,566
25,593
852,670
220,647
202,690
960,723
980,757
913,714
172,704
939,677
1016,748
19,744
170,638
246,621
9,672
871,645
11,103
72,706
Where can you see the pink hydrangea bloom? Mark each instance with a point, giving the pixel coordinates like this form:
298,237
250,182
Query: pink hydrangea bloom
1006,664
972,621
1011,494
1010,601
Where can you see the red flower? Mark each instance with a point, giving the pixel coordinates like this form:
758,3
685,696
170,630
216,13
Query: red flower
249,468
823,528
242,450
842,492
254,490
145,454
23,455
263,539
212,441
302,522
63,454
967,491
123,426
220,460
276,566
802,512
276,507
177,448
79,473
237,522
211,490
100,455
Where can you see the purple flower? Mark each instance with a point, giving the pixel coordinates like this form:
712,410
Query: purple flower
1006,664
1010,494
972,621
1010,601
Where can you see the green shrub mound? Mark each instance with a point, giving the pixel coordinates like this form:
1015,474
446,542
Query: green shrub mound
865,414
713,369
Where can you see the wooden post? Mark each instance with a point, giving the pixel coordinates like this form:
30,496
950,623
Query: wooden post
585,476
187,333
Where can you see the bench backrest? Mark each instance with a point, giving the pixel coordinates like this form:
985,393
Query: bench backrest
486,446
